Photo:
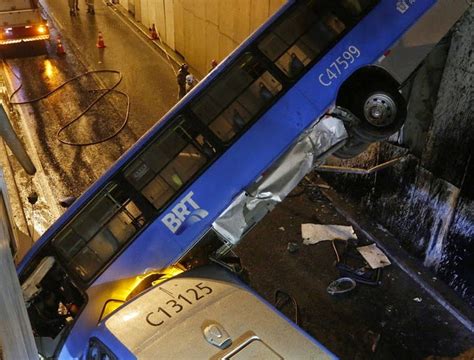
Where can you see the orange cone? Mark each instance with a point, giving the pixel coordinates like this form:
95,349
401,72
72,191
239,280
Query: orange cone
100,41
153,33
59,47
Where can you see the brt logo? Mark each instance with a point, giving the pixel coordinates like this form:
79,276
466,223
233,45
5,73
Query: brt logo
184,214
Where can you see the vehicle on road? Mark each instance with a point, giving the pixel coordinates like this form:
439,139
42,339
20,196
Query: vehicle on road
301,87
21,21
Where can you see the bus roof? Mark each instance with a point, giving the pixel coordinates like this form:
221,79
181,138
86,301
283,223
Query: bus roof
173,320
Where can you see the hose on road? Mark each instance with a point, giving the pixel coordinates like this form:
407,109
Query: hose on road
103,92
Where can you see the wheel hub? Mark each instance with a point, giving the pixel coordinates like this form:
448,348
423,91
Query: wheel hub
380,110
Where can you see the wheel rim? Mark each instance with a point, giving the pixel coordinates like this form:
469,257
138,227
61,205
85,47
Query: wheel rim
380,110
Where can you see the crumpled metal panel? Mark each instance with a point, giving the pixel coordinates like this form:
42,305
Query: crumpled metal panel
324,137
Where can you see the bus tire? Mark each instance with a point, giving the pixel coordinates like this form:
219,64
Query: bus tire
381,112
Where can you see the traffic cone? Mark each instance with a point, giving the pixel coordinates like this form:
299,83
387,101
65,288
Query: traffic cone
59,47
100,41
153,33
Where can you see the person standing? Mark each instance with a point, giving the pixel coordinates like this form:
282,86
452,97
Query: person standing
90,7
181,80
72,7
213,65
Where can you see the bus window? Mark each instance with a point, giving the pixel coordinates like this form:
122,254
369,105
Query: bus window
237,97
286,33
312,27
183,166
167,164
158,191
99,231
231,121
69,243
143,173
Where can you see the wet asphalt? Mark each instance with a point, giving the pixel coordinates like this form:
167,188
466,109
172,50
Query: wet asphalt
147,82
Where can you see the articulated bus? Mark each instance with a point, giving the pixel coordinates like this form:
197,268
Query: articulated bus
157,207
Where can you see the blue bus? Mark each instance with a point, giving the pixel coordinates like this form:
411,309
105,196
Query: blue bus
164,201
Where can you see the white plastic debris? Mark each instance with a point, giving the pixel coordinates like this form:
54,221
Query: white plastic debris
281,228
418,299
313,233
374,256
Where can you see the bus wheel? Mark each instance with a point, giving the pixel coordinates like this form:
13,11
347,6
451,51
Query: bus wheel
381,113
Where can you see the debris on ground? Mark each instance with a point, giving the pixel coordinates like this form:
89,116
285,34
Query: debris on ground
314,233
372,339
292,247
341,286
352,264
418,299
281,228
282,299
323,186
374,256
364,275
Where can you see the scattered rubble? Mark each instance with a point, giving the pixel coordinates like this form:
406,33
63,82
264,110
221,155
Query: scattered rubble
374,256
314,233
292,247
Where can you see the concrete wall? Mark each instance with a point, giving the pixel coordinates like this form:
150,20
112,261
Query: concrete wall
428,200
202,30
